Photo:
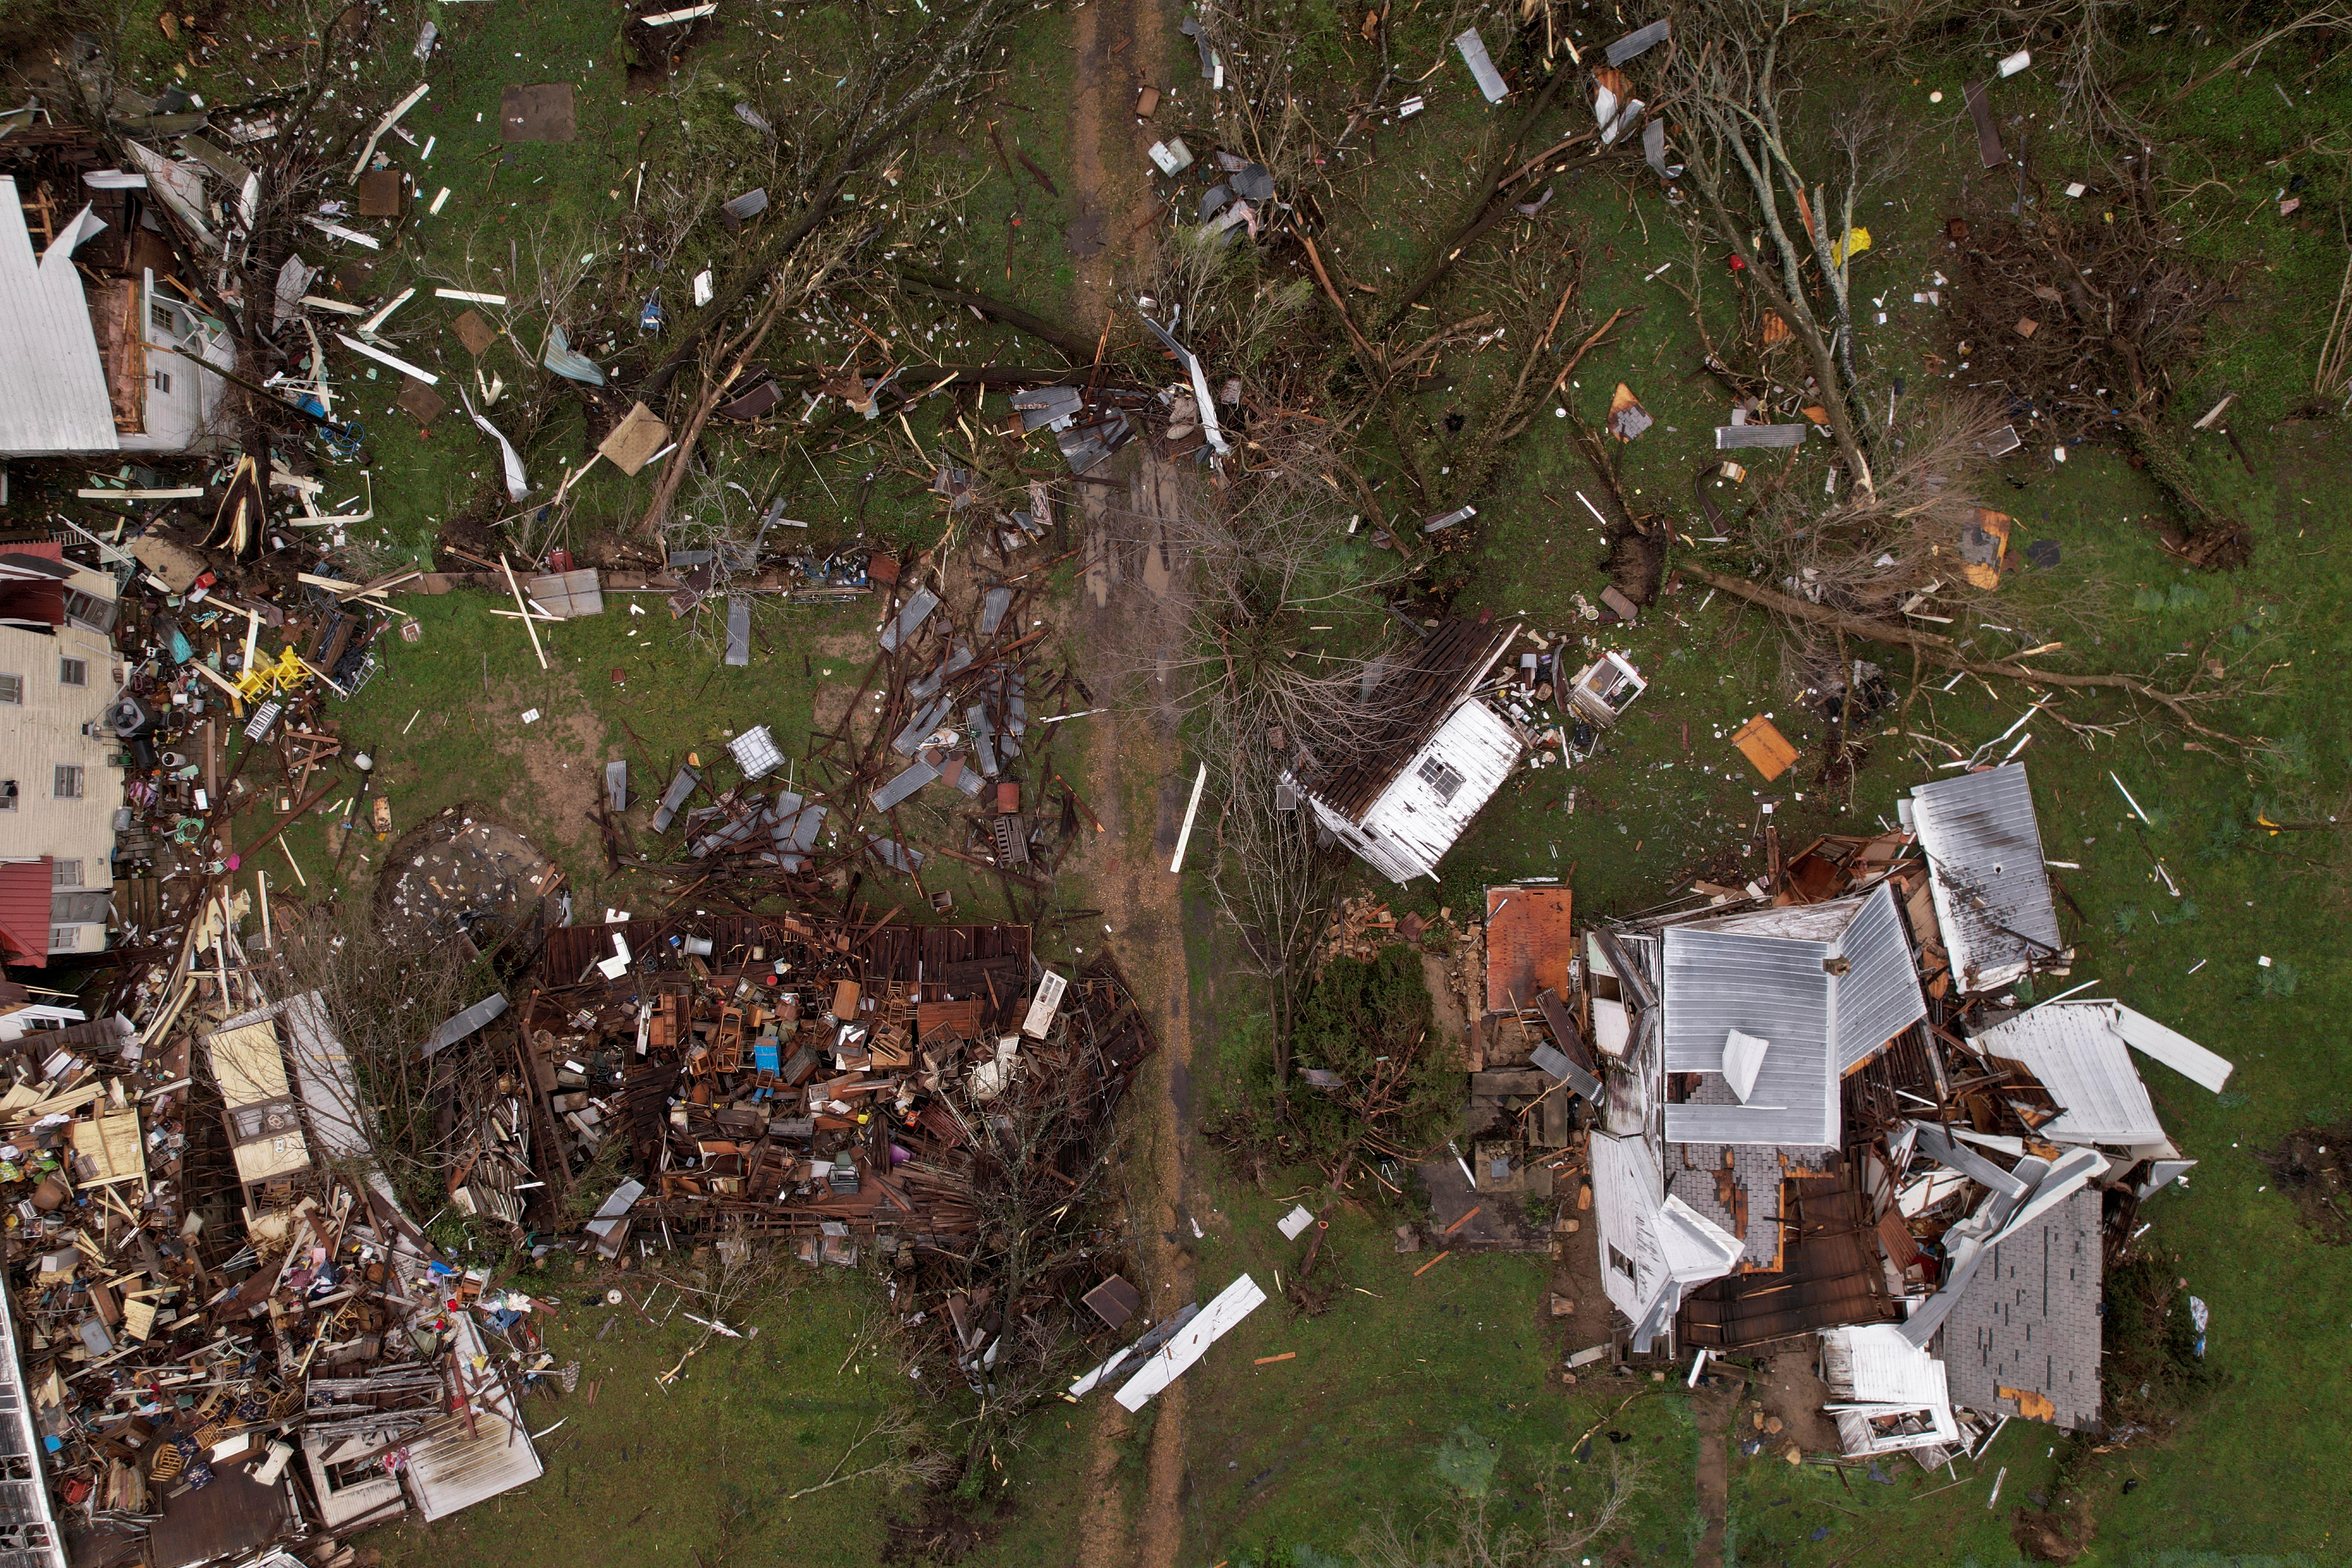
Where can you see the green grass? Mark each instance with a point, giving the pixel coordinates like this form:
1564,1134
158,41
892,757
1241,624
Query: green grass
703,1467
1303,1453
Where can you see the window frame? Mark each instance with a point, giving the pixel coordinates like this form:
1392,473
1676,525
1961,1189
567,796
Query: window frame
1444,791
58,877
79,680
12,690
73,935
58,779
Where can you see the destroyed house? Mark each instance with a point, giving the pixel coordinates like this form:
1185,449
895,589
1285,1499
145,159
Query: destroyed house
1726,1123
1435,755
99,354
1938,1217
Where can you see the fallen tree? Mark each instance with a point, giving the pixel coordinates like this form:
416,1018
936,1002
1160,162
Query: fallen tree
1927,648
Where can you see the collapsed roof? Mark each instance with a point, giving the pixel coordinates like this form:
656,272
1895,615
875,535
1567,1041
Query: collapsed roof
1775,1007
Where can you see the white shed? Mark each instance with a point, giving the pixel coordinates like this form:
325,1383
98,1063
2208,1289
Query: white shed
1439,756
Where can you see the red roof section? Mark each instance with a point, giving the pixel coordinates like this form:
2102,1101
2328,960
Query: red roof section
25,912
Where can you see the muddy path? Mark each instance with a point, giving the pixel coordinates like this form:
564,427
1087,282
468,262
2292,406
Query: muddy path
1135,779
1713,1408
1126,603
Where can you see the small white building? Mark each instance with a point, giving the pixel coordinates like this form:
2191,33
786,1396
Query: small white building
95,363
1438,757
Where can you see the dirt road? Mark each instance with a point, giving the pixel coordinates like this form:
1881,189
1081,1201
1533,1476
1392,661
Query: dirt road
1125,604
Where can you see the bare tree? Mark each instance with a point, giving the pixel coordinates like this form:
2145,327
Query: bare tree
385,1002
1465,1532
1272,877
1747,177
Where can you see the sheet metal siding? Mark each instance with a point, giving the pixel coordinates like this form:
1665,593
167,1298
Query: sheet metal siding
1984,857
1765,986
1878,996
1410,816
57,398
1626,1197
2086,1067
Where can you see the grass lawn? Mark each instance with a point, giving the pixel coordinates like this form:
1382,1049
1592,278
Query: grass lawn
701,1469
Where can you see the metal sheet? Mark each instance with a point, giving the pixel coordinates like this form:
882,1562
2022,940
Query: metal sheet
1481,68
1638,41
1984,862
739,630
1731,438
911,779
1234,1302
911,616
464,1023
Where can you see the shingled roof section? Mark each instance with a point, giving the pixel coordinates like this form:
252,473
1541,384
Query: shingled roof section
2027,1322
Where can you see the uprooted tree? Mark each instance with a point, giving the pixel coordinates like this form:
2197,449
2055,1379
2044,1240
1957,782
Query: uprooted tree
2096,311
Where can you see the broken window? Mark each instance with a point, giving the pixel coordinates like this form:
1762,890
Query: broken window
67,782
1619,1262
73,672
1440,779
7,795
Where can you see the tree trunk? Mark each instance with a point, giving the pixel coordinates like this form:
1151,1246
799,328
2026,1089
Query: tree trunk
1931,649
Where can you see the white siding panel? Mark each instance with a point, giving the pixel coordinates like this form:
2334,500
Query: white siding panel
43,732
1419,823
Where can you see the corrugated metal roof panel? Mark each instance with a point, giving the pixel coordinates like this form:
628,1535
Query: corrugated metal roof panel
1774,989
1878,996
2087,1069
1984,862
48,352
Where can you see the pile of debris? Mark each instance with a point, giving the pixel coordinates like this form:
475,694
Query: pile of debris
803,1076
199,1296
